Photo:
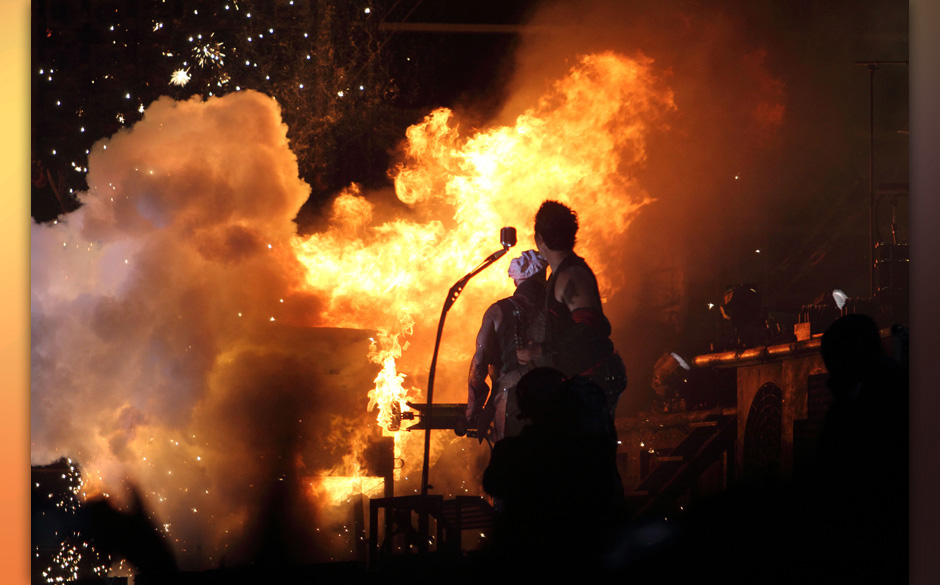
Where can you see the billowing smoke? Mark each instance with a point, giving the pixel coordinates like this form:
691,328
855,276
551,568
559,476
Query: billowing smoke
166,347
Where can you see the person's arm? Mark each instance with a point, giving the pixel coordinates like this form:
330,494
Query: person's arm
575,288
487,349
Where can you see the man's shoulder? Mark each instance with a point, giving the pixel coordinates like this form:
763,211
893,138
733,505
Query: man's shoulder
576,286
573,264
493,310
579,273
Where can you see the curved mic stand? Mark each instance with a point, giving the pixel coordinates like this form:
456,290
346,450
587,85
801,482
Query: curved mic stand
448,303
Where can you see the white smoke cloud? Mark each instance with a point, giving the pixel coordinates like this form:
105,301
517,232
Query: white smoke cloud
163,347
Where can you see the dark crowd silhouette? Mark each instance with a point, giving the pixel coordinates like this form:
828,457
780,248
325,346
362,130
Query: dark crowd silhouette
844,520
561,511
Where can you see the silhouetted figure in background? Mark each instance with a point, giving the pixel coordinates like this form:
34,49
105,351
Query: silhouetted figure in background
845,521
862,458
558,479
130,535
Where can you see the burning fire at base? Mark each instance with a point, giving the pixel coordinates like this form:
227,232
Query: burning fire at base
158,350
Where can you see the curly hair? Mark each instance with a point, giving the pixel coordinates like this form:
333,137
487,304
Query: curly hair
557,224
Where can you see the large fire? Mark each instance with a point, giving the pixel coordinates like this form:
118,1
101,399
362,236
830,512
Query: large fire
579,144
168,312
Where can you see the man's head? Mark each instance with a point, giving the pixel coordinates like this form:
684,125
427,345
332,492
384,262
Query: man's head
851,347
539,395
556,227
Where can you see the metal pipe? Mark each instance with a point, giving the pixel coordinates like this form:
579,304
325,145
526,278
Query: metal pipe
756,355
872,226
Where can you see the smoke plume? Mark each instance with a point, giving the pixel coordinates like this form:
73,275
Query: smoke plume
165,342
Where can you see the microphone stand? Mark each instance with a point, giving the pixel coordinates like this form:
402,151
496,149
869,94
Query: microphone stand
424,511
448,303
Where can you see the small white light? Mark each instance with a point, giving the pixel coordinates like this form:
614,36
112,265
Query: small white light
839,297
682,362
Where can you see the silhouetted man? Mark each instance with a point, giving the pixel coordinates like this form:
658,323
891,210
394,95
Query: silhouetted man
862,480
557,481
507,325
577,339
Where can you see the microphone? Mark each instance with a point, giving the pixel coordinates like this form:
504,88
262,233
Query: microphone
507,237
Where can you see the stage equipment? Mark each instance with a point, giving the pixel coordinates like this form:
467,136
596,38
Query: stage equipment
507,238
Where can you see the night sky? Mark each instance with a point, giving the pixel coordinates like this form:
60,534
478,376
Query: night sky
96,64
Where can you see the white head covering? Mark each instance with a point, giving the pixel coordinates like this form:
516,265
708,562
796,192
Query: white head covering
527,265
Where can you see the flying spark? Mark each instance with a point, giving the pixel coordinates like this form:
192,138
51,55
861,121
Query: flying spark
180,77
209,54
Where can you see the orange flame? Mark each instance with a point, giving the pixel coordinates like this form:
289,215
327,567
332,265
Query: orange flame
338,485
390,268
389,395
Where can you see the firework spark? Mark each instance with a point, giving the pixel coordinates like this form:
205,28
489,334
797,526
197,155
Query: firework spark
180,77
209,54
